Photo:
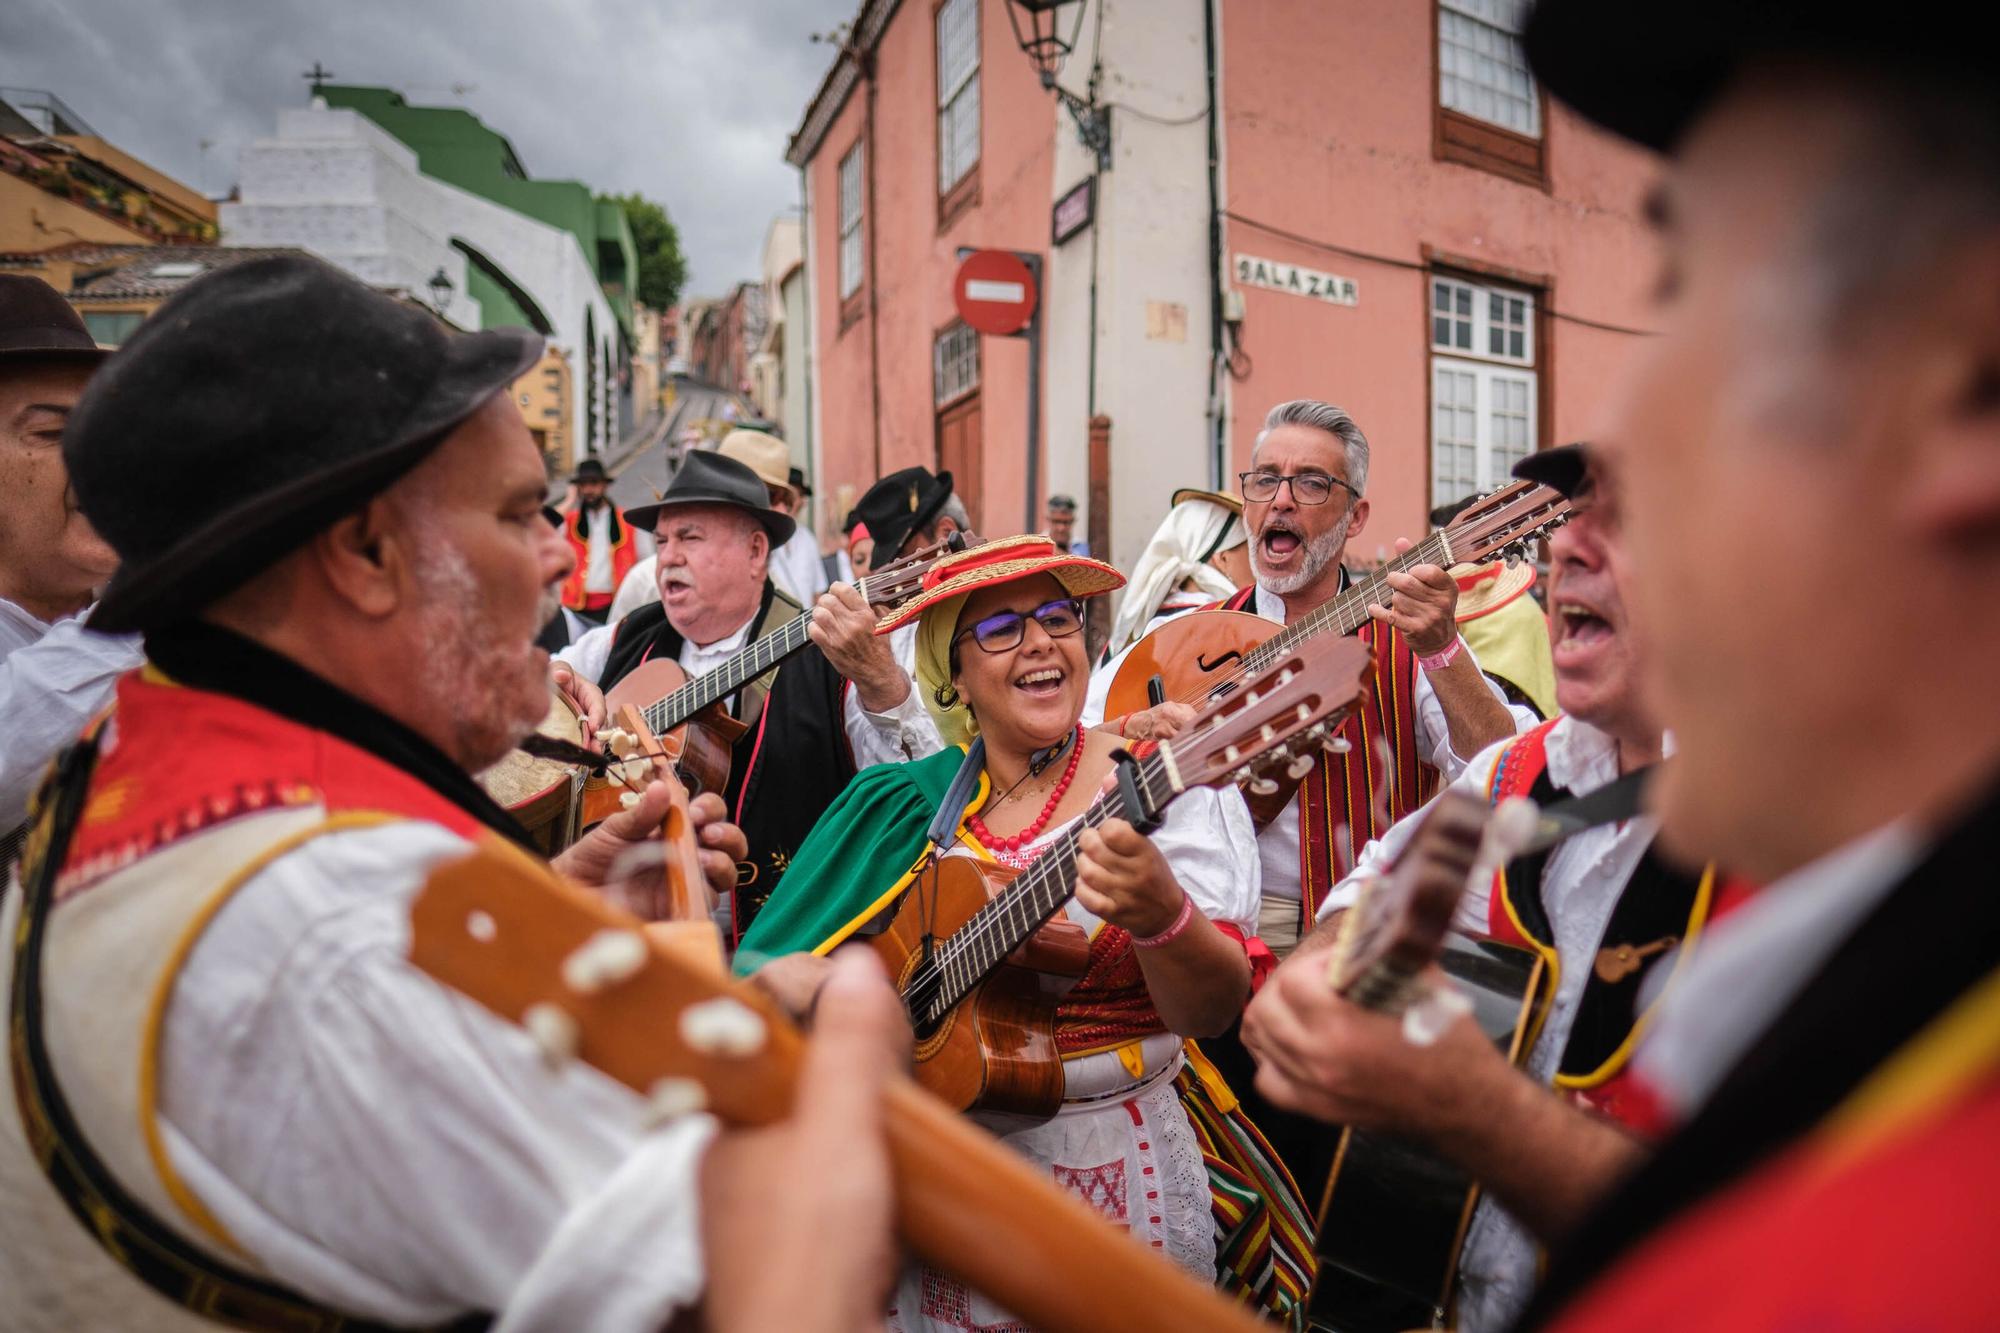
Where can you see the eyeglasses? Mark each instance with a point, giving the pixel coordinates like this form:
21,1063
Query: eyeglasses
1308,488
998,633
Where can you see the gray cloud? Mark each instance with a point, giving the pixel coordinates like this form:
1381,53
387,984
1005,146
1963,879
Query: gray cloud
689,102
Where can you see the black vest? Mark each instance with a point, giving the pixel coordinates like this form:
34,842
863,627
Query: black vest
785,770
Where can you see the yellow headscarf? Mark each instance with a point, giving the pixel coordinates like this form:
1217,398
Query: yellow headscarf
934,630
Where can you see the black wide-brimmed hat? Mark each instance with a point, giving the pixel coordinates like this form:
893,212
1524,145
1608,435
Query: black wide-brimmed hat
590,469
1647,71
1564,468
252,410
35,322
901,503
707,478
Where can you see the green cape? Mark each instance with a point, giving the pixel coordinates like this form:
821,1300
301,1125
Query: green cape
858,857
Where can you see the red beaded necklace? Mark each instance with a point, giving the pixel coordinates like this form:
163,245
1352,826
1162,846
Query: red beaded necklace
1033,830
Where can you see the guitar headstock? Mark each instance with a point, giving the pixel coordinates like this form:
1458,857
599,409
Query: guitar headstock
1397,928
1504,522
902,579
1281,717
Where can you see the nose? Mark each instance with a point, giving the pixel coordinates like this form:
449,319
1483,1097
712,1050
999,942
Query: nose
557,552
1579,542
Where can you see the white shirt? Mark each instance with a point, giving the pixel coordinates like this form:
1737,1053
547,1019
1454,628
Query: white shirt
53,680
903,733
796,568
1278,844
640,587
597,568
389,1146
1581,884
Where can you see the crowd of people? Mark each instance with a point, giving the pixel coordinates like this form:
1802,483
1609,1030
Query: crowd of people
279,579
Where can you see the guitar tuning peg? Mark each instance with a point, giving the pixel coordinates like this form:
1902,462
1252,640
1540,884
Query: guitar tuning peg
1339,745
1262,786
1512,556
1301,766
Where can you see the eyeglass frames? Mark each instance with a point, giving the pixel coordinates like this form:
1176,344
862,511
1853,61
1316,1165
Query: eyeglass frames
1308,488
1004,630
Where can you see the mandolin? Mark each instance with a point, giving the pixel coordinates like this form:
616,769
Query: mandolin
1203,654
1393,1219
980,972
591,984
688,715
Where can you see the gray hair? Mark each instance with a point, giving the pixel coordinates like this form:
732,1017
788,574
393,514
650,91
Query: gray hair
1335,422
953,509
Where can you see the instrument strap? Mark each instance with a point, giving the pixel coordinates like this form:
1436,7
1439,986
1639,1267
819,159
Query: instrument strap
964,786
1612,803
123,1226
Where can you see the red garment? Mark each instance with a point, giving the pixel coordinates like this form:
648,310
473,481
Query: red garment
623,556
1902,1238
174,761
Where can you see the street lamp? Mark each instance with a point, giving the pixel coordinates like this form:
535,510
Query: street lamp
1046,48
441,286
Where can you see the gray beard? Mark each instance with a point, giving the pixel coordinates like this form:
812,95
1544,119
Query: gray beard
1320,552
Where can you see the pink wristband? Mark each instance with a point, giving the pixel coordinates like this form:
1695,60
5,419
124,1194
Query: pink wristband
1172,932
1443,659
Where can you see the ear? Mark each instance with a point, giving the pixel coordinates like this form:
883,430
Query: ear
1950,434
365,559
1357,519
945,527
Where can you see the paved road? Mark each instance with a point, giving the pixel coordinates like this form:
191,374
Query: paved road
646,471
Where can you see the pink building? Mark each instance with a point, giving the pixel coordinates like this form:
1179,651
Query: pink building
1396,221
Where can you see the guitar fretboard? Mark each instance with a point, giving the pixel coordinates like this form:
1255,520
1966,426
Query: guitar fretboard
1348,611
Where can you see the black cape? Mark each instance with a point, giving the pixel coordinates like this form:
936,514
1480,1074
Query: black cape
786,769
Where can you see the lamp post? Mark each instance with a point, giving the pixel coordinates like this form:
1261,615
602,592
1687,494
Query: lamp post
441,289
1043,42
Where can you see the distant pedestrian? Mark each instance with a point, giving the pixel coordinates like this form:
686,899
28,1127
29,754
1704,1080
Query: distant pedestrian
1060,521
604,545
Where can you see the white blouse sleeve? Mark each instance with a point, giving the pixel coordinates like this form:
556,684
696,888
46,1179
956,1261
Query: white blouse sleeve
1211,846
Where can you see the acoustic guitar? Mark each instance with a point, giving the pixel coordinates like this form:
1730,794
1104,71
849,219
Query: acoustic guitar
1393,1219
980,972
688,715
1203,654
593,984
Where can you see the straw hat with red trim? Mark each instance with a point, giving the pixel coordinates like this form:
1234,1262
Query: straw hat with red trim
1004,561
1484,589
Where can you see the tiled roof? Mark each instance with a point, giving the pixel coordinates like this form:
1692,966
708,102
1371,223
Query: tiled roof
140,272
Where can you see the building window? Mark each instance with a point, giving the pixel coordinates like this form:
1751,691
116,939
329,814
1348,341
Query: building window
111,328
1485,388
958,102
1489,111
954,363
850,222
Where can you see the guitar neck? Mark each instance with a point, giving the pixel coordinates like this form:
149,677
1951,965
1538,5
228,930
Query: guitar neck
1348,611
748,663
998,928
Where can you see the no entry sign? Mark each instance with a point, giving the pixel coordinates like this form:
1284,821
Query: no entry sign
994,292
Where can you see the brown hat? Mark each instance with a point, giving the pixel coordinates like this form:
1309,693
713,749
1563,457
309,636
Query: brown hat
36,322
765,455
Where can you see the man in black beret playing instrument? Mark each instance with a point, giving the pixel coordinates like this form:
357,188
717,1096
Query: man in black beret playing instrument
839,704
329,519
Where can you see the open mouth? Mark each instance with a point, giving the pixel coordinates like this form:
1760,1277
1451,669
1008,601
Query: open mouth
1043,683
1581,627
1279,543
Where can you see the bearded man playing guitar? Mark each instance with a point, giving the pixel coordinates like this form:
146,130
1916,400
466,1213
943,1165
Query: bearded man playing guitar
1602,908
838,705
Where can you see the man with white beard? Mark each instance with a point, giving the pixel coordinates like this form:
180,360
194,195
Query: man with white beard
231,1088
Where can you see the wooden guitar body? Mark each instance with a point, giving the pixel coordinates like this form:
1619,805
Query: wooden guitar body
701,746
995,1053
544,794
1199,656
1393,1219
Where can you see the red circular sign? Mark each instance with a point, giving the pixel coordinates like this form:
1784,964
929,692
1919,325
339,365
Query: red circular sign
994,292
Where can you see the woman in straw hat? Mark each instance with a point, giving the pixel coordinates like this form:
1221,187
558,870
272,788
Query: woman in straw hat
1001,663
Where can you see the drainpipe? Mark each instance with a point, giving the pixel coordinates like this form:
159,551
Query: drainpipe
1219,444
873,221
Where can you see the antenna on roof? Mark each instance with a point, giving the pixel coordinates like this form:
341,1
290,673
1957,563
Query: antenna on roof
319,75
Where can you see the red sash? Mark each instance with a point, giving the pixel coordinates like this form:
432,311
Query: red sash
1349,799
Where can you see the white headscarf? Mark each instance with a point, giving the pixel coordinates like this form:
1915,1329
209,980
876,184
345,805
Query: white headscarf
1192,530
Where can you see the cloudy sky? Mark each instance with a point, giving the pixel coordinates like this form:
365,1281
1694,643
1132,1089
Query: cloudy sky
690,102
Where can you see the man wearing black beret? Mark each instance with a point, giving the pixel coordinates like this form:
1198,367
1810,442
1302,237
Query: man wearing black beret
329,520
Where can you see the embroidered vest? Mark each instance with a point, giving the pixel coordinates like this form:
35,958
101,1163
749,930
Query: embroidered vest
1660,914
191,794
1349,799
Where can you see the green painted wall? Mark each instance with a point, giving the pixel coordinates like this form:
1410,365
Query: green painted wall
456,147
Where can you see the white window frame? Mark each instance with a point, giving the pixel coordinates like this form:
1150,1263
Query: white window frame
957,93
1491,467
1467,73
850,216
1480,320
954,363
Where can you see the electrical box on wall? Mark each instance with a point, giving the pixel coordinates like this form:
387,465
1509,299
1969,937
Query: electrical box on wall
1232,306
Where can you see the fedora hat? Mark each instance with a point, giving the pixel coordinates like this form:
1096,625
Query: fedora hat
765,455
1233,503
253,409
1484,589
901,503
1564,468
35,322
590,469
708,478
1004,561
